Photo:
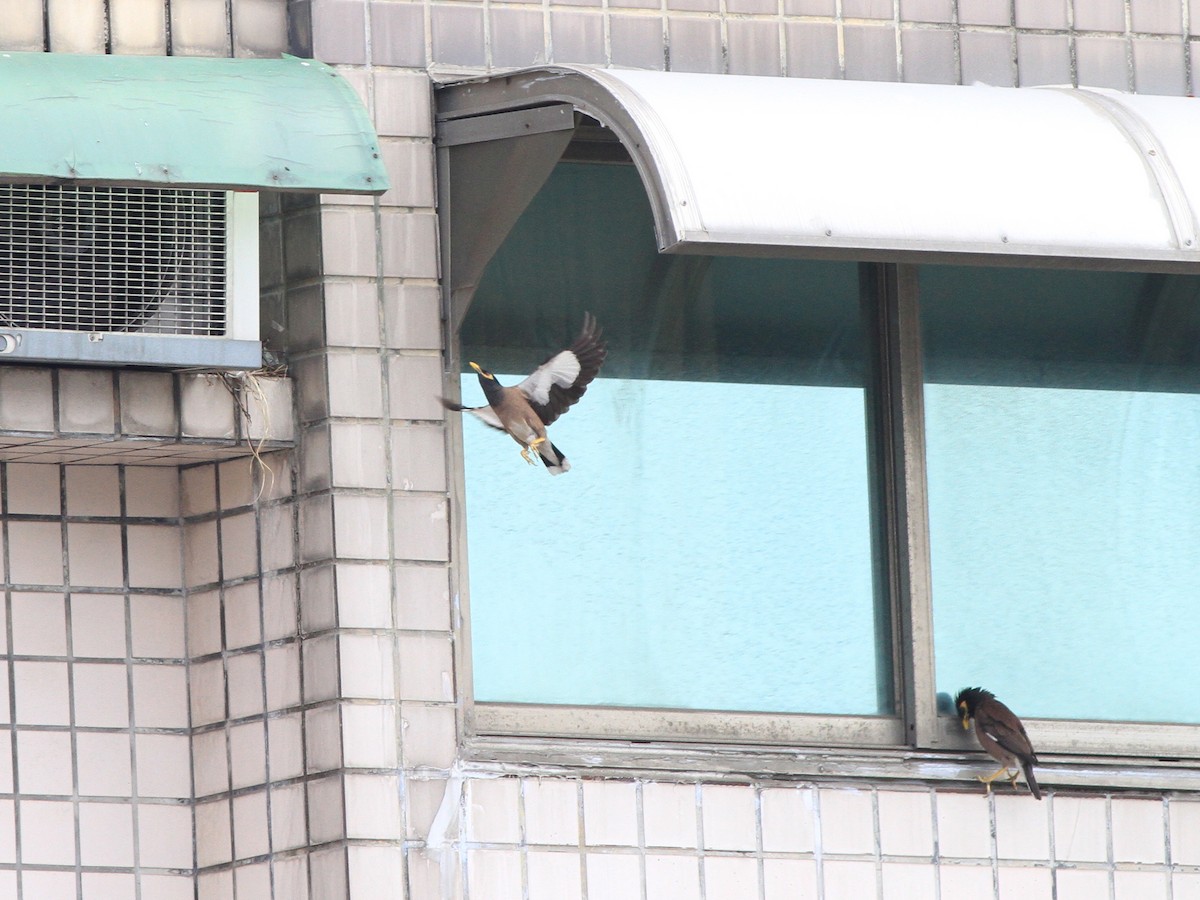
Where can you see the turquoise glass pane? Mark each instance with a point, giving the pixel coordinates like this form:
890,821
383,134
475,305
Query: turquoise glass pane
711,547
1063,439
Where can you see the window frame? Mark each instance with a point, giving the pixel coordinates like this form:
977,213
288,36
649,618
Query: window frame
917,742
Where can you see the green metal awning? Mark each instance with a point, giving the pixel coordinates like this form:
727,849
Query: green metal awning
285,124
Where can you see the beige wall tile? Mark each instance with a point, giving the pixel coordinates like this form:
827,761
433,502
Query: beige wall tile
39,624
1137,831
368,666
369,736
41,693
426,667
1081,884
730,878
287,817
849,880
611,877
94,557
93,491
1022,829
156,556
104,765
492,811
164,766
965,880
729,817
44,762
672,877
847,821
610,813
551,811
554,876
250,829
213,841
35,553
373,807
34,489
106,834
494,873
164,836
101,695
1080,829
669,814
1020,883
905,823
908,881
44,823
964,826
789,879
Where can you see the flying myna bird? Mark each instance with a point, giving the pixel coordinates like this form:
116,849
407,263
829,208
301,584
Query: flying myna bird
525,410
1001,734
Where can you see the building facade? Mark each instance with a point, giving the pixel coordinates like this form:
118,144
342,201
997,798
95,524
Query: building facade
237,674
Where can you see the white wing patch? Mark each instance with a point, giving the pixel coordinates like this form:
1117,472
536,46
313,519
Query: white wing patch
487,415
561,369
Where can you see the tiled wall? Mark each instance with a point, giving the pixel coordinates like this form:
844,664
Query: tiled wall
95,769
149,27
278,718
559,839
1142,45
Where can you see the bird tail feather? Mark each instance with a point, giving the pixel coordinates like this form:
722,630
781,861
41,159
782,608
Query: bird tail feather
556,463
1027,768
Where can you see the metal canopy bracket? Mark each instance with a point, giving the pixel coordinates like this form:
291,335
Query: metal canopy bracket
492,166
282,124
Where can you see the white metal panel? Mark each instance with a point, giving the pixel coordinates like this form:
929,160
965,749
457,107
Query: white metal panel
775,161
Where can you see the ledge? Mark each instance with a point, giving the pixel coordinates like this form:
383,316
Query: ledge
129,417
1077,775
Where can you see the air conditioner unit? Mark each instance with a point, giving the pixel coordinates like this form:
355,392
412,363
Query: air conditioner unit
129,275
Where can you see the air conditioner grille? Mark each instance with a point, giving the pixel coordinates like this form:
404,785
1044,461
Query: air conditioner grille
113,259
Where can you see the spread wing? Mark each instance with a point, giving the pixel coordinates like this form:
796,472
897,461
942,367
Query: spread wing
999,723
559,382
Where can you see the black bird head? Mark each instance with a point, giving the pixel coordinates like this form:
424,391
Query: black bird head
491,387
967,700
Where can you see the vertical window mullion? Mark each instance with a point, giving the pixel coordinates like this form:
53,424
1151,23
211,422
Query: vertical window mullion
891,299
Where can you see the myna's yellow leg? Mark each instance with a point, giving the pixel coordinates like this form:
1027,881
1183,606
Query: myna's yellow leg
987,781
533,445
1012,779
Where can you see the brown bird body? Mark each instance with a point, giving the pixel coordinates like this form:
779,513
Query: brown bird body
524,410
1001,734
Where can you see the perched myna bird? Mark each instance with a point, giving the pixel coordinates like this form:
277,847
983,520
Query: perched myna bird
1001,734
525,410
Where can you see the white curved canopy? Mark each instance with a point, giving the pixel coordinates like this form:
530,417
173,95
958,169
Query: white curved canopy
837,166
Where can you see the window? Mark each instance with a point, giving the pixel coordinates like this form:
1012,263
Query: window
808,495
720,476
1062,414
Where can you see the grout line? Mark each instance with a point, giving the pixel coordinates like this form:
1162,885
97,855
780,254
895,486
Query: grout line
12,674
758,842
933,812
1108,839
73,737
640,801
523,838
699,800
818,838
1168,856
257,486
995,853
134,791
1053,855
582,827
876,843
